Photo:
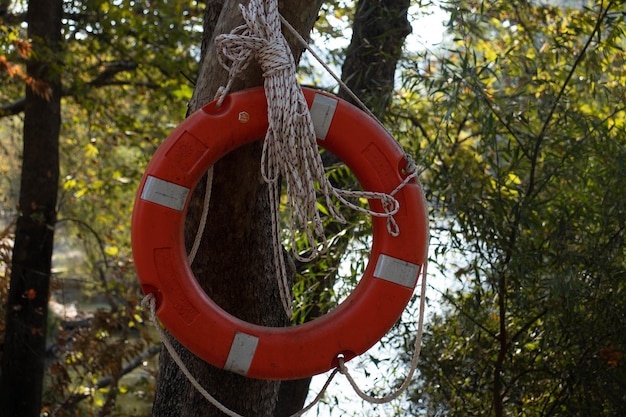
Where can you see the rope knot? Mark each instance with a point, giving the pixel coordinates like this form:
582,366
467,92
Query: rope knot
275,57
410,166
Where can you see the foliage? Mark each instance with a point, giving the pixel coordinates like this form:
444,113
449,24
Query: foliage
10,144
520,123
125,77
21,50
325,282
91,364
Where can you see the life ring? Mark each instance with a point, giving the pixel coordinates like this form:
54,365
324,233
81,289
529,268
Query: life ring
270,352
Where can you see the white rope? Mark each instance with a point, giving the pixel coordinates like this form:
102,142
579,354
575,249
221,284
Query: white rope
290,149
411,169
203,217
149,304
416,353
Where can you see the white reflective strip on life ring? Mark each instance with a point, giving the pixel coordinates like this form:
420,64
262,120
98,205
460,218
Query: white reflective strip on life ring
396,270
165,193
322,113
241,353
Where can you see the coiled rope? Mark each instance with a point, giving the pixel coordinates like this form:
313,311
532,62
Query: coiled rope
290,149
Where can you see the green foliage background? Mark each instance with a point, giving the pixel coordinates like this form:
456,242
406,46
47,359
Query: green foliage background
126,72
518,122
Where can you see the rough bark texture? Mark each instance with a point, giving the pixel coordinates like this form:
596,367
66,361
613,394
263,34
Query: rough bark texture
379,31
24,346
234,264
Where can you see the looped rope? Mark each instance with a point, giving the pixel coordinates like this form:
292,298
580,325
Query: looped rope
149,304
290,148
273,58
416,353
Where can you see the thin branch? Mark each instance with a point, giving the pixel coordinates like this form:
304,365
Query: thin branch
104,79
111,70
469,316
527,326
504,123
130,366
92,231
11,109
107,380
601,15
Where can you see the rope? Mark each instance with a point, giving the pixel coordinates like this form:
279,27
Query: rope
290,147
416,353
149,303
203,217
328,69
290,152
392,227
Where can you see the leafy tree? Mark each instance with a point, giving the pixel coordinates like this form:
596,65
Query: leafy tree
116,80
521,122
21,380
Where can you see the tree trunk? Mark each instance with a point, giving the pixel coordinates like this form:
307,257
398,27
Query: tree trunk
21,380
234,264
378,35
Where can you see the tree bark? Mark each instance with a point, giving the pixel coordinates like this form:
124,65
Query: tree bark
21,381
234,264
379,31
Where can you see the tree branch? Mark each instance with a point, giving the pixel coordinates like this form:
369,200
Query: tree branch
11,109
540,136
105,79
111,70
105,381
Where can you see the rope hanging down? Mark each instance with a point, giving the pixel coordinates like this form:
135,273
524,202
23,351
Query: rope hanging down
149,304
290,149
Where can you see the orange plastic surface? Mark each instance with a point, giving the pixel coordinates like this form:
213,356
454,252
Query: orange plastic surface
205,328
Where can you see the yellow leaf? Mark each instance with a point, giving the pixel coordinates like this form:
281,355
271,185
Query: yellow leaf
90,150
69,183
81,192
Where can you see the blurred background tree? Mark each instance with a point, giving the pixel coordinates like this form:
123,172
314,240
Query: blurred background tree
117,86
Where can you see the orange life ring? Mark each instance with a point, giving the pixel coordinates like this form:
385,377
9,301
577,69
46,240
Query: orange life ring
269,352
